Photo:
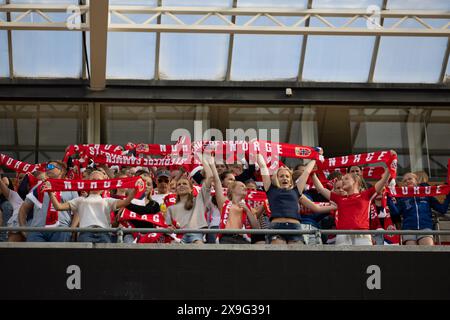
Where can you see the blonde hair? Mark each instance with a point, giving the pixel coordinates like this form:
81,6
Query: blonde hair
96,172
358,180
231,188
411,174
275,180
421,177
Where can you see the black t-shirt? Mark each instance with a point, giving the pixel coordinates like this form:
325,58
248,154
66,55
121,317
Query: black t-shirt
283,202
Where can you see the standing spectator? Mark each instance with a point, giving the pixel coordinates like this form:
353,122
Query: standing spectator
234,210
353,208
189,211
93,211
283,196
6,209
162,186
422,178
44,214
148,207
416,212
15,201
359,172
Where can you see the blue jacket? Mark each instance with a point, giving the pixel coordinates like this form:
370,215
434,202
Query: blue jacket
416,211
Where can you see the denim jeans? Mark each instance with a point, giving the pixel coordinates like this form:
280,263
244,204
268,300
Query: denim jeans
49,236
287,226
211,237
94,237
191,237
7,210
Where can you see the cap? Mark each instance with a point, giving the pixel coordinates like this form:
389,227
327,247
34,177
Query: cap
163,173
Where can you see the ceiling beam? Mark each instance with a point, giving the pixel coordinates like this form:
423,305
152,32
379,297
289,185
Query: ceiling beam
98,21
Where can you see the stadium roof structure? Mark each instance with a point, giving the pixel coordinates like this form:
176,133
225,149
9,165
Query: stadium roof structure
300,41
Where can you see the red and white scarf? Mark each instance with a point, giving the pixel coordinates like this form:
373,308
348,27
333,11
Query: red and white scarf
91,149
89,185
230,148
156,219
375,172
19,166
360,159
418,191
121,160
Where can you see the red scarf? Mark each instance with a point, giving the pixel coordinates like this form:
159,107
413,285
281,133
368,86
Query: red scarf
231,148
91,149
389,225
19,166
374,173
52,215
120,160
156,219
88,185
428,191
360,159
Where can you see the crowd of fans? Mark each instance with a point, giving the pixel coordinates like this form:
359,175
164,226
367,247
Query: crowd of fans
215,197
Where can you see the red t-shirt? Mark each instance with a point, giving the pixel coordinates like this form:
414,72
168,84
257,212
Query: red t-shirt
353,210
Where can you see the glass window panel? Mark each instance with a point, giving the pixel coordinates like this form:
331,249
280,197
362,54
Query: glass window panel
267,57
151,124
52,54
289,125
341,4
26,130
415,59
6,131
419,150
57,132
438,141
339,58
45,156
419,4
4,60
131,55
194,56
59,126
410,59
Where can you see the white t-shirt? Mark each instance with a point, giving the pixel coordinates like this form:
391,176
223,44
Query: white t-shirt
16,202
159,198
94,210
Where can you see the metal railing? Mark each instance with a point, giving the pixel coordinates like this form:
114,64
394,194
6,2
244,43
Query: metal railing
120,232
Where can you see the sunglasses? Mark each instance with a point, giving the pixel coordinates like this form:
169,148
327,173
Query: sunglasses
51,166
163,179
